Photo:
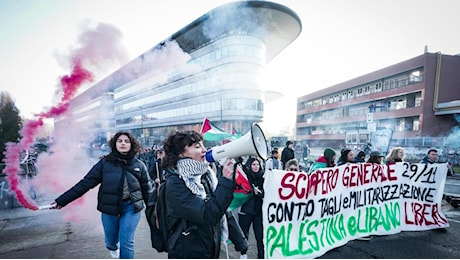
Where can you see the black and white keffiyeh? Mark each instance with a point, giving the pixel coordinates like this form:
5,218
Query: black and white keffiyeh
190,171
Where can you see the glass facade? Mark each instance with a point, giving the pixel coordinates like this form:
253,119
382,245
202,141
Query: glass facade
224,89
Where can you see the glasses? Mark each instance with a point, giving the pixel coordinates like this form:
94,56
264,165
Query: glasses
294,169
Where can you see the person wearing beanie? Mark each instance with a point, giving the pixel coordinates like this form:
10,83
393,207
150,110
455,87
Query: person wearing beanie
325,161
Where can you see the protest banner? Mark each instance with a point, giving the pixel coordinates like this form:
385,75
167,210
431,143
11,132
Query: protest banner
306,215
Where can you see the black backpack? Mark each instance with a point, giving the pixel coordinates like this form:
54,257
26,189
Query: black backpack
157,218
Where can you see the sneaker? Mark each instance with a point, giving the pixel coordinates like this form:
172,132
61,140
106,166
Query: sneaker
114,253
245,256
366,238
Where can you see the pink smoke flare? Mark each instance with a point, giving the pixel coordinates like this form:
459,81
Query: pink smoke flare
70,85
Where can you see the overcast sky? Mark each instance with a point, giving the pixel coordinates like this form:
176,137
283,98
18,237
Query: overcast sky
340,40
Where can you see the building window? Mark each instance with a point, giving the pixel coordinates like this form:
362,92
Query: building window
363,138
416,124
418,100
350,93
416,76
352,138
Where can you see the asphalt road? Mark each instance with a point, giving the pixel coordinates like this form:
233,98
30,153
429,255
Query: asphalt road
46,234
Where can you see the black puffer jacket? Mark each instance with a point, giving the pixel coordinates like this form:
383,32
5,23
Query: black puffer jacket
202,217
111,177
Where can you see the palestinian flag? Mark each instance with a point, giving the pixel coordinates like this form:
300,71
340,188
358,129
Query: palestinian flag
243,190
213,133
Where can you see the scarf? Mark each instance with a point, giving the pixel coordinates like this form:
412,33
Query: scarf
191,171
124,158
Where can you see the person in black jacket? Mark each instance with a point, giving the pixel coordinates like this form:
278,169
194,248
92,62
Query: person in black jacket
251,211
196,200
287,153
124,187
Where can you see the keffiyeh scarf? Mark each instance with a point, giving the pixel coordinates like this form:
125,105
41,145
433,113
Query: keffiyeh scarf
190,171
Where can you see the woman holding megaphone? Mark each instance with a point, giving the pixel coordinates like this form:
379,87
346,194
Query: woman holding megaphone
195,198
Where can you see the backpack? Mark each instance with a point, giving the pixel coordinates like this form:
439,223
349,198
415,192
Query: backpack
157,218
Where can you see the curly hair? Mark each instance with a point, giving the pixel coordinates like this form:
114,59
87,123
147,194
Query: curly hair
175,144
135,145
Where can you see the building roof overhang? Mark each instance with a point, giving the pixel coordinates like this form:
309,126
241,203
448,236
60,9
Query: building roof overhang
273,23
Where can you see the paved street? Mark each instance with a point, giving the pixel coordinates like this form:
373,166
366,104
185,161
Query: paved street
44,234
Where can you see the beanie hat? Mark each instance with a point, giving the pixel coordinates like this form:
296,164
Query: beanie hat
329,153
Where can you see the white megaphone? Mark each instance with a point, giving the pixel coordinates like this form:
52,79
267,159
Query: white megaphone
252,143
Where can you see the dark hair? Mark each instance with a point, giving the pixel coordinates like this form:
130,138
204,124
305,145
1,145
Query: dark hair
374,159
288,143
175,144
135,145
361,154
344,155
248,169
432,150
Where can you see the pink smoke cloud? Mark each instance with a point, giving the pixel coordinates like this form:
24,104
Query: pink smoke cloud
97,45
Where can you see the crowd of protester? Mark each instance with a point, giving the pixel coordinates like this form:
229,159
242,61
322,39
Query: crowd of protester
199,195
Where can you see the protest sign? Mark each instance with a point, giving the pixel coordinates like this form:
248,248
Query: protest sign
306,215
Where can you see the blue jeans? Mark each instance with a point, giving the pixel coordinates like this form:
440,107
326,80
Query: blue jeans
119,230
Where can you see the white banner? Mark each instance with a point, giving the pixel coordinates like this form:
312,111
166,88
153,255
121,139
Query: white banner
306,215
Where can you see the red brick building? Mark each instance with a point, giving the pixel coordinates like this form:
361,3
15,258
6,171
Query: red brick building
418,99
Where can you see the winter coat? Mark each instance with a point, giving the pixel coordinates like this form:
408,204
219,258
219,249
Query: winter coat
202,232
287,155
110,174
254,204
426,160
318,164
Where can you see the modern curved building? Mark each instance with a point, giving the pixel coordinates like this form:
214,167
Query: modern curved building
210,68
